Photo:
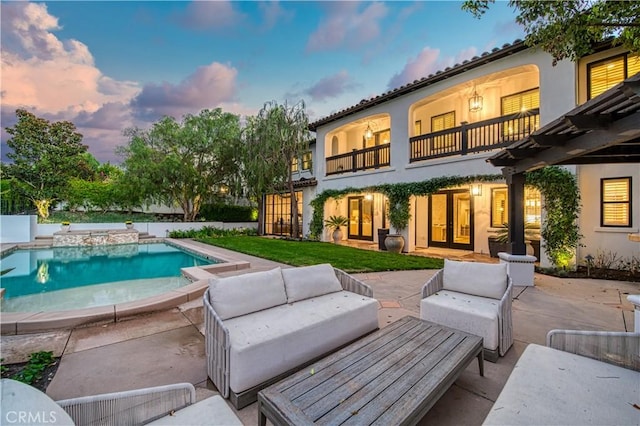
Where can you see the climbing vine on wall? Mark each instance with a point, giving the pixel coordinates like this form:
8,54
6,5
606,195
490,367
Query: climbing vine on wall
398,195
561,202
557,185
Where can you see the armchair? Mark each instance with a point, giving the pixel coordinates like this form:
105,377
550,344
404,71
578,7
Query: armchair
472,297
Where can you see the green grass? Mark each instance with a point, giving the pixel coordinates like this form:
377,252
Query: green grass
304,253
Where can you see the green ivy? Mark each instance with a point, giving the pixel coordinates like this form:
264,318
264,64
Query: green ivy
557,185
561,202
398,195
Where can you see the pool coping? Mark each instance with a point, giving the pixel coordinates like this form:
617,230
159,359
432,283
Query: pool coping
12,323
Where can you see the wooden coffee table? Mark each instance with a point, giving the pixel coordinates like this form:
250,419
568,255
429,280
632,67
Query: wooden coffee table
392,376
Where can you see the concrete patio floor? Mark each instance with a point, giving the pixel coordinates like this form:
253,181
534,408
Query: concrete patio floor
168,347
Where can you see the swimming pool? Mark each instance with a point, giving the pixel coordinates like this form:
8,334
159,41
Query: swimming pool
63,278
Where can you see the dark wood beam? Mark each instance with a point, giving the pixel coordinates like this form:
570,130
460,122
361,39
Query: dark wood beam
546,140
520,153
502,162
621,131
590,121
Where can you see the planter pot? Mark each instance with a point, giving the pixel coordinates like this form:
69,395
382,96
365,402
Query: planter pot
496,247
65,228
394,243
337,236
129,225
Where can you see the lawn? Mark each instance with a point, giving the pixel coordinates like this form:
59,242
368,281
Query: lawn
303,253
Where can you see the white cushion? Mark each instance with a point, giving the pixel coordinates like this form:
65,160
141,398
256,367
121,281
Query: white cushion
310,281
480,279
473,314
552,387
242,294
268,343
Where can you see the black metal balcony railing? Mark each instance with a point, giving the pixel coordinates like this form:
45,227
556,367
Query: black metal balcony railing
476,137
360,159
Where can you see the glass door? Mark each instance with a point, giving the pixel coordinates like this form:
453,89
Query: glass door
360,218
451,220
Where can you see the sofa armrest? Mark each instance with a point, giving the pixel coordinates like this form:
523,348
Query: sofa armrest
613,347
434,284
352,284
505,322
132,407
217,347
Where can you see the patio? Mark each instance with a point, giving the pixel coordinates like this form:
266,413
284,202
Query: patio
168,346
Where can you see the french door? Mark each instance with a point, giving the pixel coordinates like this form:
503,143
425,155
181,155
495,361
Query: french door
451,219
360,218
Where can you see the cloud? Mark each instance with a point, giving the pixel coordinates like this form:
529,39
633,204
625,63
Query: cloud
55,79
272,12
210,15
208,87
347,26
331,87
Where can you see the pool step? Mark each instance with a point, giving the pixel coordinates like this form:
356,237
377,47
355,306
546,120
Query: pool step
145,236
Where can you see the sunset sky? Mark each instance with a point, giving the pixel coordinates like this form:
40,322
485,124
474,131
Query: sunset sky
108,66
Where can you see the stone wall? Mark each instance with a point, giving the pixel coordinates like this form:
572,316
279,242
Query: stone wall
94,237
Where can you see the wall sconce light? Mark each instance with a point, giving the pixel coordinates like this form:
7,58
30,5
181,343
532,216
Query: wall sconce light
475,102
368,133
476,189
368,197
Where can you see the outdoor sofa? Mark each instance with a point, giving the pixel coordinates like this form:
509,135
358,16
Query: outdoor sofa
472,297
261,326
579,378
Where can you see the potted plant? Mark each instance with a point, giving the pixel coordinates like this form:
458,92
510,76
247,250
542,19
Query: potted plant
399,217
65,226
335,223
499,242
129,224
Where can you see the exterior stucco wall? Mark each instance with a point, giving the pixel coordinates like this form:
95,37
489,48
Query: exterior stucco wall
606,239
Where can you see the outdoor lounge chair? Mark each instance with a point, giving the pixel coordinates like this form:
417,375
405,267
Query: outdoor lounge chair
165,405
472,297
579,378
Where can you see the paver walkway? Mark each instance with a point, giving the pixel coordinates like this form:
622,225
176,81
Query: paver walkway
168,347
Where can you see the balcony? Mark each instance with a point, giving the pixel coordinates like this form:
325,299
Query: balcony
360,159
476,137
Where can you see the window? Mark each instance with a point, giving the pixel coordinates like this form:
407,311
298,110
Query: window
520,103
443,122
500,207
307,161
603,75
417,128
294,164
532,207
334,145
615,194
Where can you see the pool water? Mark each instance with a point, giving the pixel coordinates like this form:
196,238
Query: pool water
62,277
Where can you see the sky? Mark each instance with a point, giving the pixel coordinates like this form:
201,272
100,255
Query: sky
112,65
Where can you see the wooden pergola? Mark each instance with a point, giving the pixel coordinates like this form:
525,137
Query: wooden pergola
605,129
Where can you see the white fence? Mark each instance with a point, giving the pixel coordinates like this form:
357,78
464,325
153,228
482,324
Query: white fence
24,229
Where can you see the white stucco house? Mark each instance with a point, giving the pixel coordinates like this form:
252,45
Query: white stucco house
451,124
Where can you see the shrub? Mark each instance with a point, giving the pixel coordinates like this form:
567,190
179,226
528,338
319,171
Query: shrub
211,232
228,213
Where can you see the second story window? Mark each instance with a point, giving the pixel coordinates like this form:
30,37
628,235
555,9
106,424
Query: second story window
520,103
615,194
307,161
603,75
443,122
294,164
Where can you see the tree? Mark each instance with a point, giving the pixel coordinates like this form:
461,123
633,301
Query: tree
182,163
569,29
274,138
45,156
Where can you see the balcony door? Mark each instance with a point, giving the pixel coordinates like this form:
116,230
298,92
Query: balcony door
360,218
451,220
